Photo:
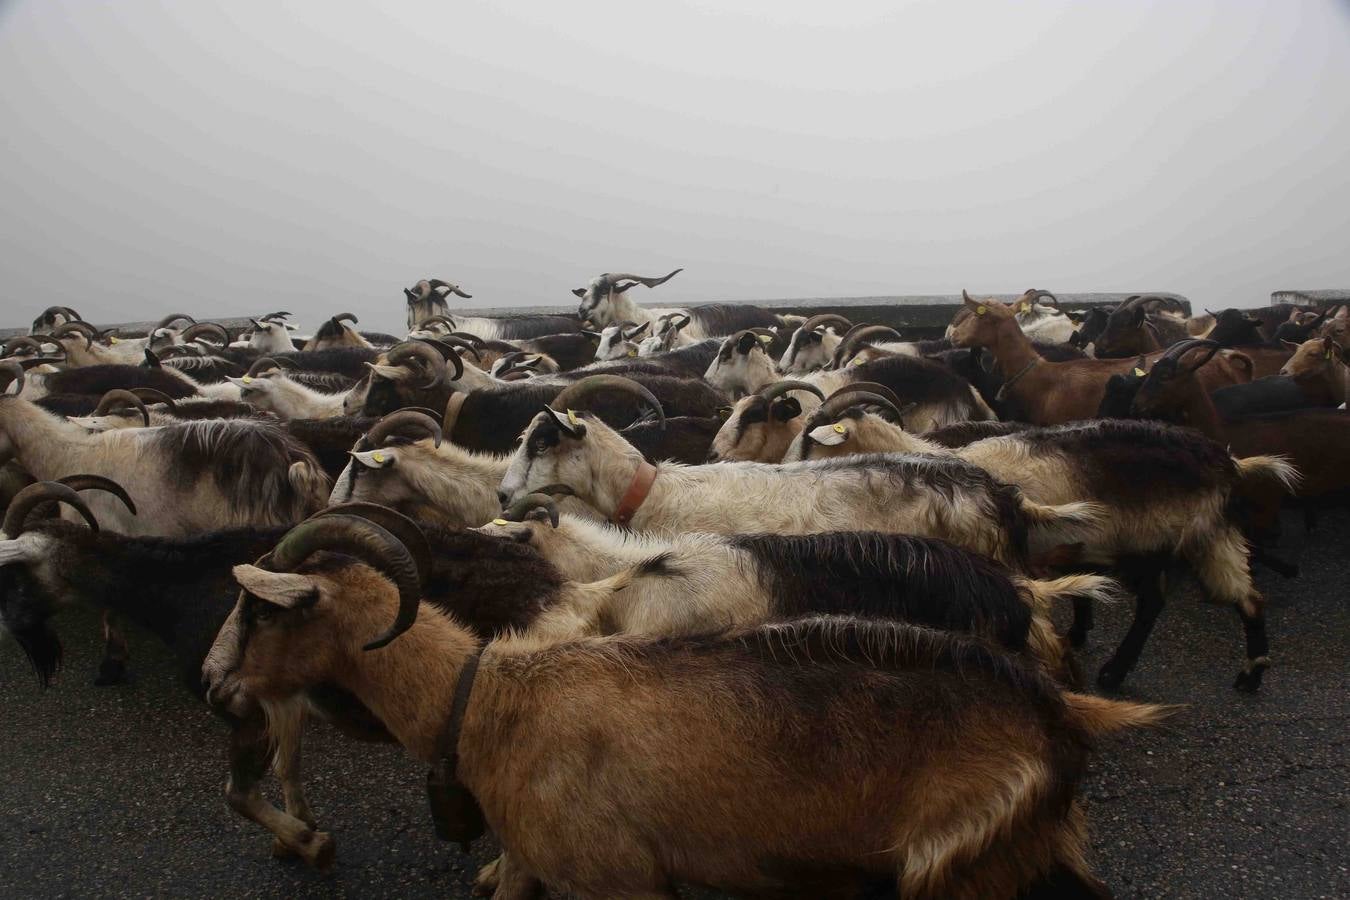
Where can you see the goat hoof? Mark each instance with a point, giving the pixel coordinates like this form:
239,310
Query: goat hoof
319,850
280,850
1109,678
1249,680
485,883
111,671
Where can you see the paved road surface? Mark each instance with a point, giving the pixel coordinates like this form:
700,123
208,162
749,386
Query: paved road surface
117,791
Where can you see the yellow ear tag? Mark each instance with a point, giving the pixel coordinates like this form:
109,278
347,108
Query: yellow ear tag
1026,307
765,339
839,429
1328,354
114,340
572,417
856,361
247,379
498,521
632,353
981,310
377,456
1138,373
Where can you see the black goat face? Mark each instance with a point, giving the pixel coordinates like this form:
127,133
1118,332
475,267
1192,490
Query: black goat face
25,612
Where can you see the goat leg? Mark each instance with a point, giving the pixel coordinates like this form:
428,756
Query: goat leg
249,760
286,764
1148,603
506,879
1258,649
1082,621
112,669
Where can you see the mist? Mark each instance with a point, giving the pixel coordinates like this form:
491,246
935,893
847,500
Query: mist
316,157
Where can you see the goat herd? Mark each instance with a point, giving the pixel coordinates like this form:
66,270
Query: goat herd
710,596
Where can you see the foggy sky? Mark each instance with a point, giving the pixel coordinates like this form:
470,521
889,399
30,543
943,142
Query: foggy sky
242,157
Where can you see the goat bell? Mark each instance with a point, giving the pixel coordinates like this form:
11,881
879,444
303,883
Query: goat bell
454,811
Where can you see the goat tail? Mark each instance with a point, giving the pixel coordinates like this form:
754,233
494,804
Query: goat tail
1099,715
1274,468
1082,513
1044,593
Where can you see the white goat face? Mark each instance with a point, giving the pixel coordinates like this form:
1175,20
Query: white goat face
552,451
272,337
741,366
256,391
373,476
806,352
597,305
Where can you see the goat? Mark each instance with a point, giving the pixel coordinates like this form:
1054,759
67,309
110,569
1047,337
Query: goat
53,316
1051,393
620,340
1044,322
336,333
1321,367
976,367
286,398
1140,325
604,302
1237,329
1185,512
812,346
761,426
779,693
98,380
427,300
668,335
271,334
892,493
694,582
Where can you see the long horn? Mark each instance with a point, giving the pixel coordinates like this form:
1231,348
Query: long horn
275,316
11,373
26,342
396,422
451,340
825,320
842,400
368,542
99,483
192,332
117,399
871,387
30,362
517,511
53,311
1176,350
392,521
471,338
438,319
80,328
452,288
171,318
28,499
430,359
779,388
266,363
856,335
576,395
150,395
1039,294
616,277
346,317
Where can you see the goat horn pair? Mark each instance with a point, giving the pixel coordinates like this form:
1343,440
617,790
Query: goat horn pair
779,388
53,311
24,342
396,523
196,330
266,364
857,395
419,355
541,498
119,399
450,341
150,395
65,491
11,373
1035,294
574,396
668,321
849,346
171,318
438,319
397,423
275,316
452,288
615,277
372,543
83,329
826,320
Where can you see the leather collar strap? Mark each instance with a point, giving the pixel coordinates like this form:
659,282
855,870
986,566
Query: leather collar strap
449,744
454,811
1003,391
637,493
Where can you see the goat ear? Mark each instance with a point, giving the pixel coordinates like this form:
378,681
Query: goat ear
568,422
388,373
285,589
375,459
1290,344
580,292
785,408
17,551
747,343
830,435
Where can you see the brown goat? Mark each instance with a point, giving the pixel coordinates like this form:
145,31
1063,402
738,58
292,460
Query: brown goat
1320,367
866,754
1052,393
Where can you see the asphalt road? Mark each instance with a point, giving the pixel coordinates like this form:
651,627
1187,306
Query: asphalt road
118,791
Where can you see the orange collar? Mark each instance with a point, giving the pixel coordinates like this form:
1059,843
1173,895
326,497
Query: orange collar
636,494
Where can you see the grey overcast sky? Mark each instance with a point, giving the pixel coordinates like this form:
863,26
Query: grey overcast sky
240,157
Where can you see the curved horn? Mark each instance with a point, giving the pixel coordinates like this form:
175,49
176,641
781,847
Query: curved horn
1176,350
275,316
346,317
11,373
30,362
67,328
471,338
368,542
576,394
636,330
844,399
52,312
99,483
438,319
871,387
26,342
28,499
395,423
266,363
192,332
117,399
150,395
779,388
171,318
452,288
826,320
451,340
856,335
517,511
392,521
616,277
1039,293
423,356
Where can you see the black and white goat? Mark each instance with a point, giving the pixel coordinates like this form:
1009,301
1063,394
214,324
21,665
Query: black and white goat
428,299
605,301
